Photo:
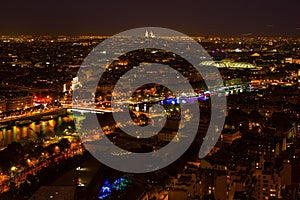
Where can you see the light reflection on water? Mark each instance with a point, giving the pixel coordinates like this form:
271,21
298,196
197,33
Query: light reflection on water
31,130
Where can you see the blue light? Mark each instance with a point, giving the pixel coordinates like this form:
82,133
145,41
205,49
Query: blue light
171,101
107,189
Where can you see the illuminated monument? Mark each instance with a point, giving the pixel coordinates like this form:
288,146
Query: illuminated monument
149,34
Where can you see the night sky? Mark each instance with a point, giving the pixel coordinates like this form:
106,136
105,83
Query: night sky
197,17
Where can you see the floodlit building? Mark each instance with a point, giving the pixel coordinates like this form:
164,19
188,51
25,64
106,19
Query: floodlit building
2,104
229,135
268,184
19,102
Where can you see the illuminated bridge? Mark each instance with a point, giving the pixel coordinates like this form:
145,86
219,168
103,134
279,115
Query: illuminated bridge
90,109
202,96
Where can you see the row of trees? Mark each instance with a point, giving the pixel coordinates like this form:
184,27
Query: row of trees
15,153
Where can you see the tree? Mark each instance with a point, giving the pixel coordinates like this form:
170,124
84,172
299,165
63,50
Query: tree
64,144
280,120
236,116
255,116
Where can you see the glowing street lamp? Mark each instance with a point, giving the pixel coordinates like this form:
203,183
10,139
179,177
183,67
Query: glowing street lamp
13,168
29,162
57,149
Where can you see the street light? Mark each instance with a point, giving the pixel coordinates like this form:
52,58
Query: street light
28,161
57,149
13,168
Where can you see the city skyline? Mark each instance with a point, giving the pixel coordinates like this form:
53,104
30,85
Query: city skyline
150,100
46,138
